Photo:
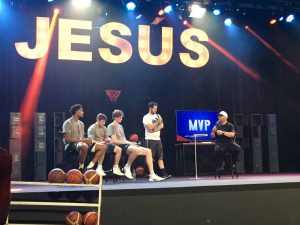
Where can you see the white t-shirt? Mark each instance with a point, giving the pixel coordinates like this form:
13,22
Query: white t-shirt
148,119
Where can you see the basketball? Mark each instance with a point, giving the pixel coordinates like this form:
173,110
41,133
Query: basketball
74,176
90,218
74,218
134,138
91,177
56,176
140,171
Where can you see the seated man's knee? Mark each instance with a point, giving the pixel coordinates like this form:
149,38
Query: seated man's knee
82,146
118,150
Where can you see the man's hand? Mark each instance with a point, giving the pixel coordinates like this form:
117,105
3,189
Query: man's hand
219,132
88,141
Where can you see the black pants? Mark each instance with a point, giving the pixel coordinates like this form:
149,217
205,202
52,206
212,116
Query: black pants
222,148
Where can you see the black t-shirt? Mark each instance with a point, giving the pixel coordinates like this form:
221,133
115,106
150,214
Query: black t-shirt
228,127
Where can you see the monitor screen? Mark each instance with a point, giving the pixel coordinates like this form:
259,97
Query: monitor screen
191,123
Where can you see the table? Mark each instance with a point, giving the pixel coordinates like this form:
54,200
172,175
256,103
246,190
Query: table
181,149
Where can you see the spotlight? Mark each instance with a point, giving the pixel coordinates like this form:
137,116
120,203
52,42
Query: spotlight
281,18
185,22
81,4
290,18
228,22
168,9
130,6
139,16
196,11
216,12
273,21
56,11
161,12
50,0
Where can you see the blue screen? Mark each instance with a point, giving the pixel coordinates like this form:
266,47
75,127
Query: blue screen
191,122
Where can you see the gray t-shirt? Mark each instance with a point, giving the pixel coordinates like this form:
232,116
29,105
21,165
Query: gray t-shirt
116,129
75,128
97,133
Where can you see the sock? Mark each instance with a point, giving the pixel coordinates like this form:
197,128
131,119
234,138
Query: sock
91,165
127,166
152,173
115,166
81,165
99,167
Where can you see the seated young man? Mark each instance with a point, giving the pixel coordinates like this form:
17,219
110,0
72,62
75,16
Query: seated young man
98,133
73,130
116,132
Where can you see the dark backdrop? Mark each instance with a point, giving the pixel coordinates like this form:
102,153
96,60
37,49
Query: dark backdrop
219,85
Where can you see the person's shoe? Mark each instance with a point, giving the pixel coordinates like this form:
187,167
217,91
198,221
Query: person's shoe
82,170
100,172
166,176
117,171
154,177
128,173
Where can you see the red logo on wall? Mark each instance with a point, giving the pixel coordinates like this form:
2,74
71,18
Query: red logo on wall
113,94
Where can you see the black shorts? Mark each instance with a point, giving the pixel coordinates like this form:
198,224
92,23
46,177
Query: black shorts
156,148
124,147
71,147
110,148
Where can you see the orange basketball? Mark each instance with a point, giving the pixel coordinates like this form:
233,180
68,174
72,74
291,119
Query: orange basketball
56,176
90,218
74,177
134,138
74,218
140,171
91,177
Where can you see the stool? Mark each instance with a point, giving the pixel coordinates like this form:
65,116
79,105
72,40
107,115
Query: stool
229,167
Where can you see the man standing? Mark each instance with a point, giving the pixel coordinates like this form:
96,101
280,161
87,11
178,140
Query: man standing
153,124
224,133
98,133
73,130
116,131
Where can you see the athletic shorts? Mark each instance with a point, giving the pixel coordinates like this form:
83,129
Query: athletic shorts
110,148
71,147
124,147
156,148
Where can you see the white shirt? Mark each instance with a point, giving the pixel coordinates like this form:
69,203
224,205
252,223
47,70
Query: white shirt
147,119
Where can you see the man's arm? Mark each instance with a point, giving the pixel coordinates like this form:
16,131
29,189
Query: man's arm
116,141
230,134
70,139
213,132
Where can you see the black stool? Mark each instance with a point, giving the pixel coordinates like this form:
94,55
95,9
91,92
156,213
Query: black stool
229,169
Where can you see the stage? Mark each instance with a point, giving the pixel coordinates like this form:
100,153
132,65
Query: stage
249,199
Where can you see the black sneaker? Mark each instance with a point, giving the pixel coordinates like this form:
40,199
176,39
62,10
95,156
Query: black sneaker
82,170
233,168
166,176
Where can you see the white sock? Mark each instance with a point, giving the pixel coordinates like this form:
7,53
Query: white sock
127,166
91,165
115,166
152,173
99,167
81,165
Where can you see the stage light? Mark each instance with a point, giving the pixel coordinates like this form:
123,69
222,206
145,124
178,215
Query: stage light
0,5
216,12
290,18
139,16
168,9
81,4
130,6
56,10
161,12
196,11
281,18
50,0
185,22
228,22
273,21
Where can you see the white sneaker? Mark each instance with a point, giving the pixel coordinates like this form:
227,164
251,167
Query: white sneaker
117,171
154,177
128,173
100,172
